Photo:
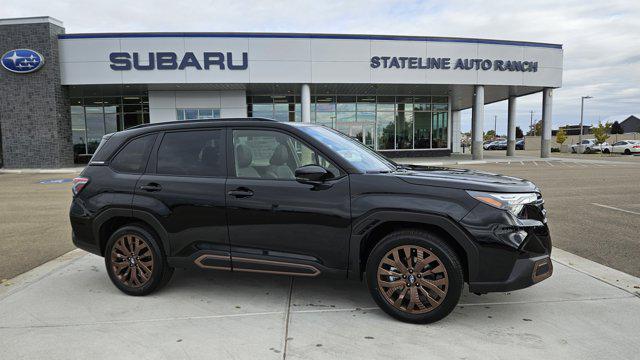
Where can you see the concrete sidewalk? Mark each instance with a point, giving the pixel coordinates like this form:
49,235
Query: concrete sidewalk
68,309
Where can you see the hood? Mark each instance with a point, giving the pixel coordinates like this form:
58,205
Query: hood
464,179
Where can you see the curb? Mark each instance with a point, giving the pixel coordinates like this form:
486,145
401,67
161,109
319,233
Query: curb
613,277
10,286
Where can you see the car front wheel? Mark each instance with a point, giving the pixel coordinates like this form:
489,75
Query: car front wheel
414,276
135,261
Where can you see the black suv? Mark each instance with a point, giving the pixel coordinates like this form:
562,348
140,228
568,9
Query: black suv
256,195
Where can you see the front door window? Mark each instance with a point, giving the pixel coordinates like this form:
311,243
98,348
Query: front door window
265,154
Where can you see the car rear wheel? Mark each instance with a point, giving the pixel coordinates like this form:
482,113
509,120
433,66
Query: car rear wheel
627,152
414,276
135,261
606,151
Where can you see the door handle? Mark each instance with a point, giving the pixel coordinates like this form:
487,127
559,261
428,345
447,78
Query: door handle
151,187
241,192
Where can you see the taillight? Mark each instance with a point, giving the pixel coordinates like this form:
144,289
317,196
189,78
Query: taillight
78,184
636,146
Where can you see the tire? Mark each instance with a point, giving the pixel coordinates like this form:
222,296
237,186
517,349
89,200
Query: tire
587,150
606,151
148,272
444,271
627,152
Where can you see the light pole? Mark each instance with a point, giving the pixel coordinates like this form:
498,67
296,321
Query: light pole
582,117
531,124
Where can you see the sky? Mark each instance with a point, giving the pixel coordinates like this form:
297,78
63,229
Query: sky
601,39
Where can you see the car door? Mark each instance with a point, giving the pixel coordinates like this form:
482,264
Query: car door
619,146
183,188
277,224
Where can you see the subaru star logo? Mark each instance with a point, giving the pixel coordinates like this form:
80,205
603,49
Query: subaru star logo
22,60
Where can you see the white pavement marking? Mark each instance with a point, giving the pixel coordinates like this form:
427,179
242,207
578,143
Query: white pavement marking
548,163
615,208
535,163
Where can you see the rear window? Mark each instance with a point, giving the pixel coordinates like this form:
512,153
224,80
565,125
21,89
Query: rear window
192,153
133,157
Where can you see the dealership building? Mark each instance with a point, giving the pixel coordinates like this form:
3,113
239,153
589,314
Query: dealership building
401,95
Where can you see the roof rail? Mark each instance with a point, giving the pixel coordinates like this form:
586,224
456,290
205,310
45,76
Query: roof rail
197,121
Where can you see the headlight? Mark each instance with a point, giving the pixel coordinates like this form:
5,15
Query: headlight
510,202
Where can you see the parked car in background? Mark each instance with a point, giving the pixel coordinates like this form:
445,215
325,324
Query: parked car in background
626,147
589,146
496,145
520,144
485,145
500,145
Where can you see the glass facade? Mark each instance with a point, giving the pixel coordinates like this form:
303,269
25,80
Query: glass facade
197,114
381,122
93,117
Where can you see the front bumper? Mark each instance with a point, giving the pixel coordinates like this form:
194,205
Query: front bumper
513,252
525,272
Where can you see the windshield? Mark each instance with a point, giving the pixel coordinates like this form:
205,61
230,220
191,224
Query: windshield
357,154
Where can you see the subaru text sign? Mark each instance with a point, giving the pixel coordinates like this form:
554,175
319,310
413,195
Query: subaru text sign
22,61
171,61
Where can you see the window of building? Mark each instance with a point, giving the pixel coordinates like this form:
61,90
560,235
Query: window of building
133,157
382,122
197,114
192,153
93,116
285,108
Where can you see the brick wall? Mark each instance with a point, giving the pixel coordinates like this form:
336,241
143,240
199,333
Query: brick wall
35,123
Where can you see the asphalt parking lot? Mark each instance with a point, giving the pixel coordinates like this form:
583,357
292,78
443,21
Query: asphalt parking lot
593,205
34,221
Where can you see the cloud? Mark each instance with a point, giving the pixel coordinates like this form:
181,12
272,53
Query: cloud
601,39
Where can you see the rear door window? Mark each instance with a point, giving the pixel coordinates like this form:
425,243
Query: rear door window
192,153
133,157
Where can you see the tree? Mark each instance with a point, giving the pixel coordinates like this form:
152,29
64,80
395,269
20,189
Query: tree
489,135
601,132
616,128
519,134
537,129
561,136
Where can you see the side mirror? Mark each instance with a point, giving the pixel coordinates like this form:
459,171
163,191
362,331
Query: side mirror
312,174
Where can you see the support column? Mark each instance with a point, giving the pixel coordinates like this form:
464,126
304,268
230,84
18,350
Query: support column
477,123
511,127
305,103
547,102
455,132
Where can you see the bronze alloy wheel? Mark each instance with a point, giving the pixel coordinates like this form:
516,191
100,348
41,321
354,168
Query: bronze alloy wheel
412,279
132,260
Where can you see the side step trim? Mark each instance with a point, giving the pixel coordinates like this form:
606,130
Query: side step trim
275,264
201,258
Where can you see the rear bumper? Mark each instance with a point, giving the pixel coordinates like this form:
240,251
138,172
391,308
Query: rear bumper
86,246
525,272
